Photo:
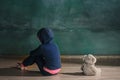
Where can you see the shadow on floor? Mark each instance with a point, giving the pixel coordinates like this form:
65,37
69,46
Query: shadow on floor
13,71
74,74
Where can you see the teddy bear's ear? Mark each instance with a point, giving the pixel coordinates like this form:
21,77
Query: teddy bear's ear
84,57
93,58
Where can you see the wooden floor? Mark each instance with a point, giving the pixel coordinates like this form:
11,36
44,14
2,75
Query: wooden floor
70,71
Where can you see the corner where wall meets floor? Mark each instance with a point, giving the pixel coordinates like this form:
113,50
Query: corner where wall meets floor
111,60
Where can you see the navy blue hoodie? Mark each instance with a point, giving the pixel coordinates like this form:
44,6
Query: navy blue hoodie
48,49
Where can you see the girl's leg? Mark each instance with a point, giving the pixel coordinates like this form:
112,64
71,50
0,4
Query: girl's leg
40,63
29,60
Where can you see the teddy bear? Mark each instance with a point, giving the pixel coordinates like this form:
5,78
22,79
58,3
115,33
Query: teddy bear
88,67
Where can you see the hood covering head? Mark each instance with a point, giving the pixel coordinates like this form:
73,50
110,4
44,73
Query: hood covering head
45,35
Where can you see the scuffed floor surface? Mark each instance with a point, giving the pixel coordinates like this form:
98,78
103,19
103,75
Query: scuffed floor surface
69,72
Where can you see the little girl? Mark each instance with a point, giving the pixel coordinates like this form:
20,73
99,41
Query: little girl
46,56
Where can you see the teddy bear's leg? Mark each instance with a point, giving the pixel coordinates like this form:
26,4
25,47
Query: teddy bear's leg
93,71
90,71
98,72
